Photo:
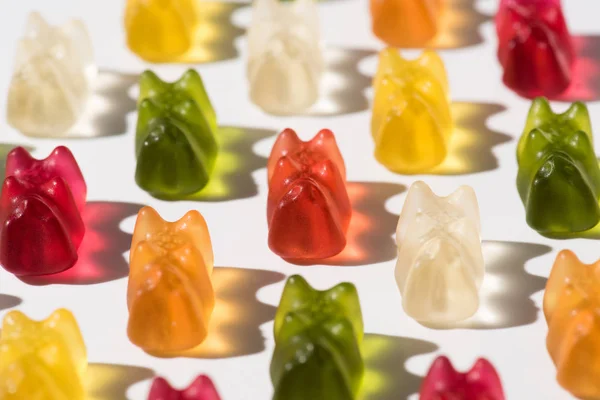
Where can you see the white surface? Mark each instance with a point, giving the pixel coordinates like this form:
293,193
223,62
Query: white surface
512,329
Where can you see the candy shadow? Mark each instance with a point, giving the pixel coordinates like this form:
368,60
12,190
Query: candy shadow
585,85
106,113
343,86
101,254
111,381
216,33
507,287
386,376
8,301
472,142
236,161
234,328
369,238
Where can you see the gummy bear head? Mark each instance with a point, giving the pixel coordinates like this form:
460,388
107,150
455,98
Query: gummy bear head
444,382
322,146
202,388
42,357
310,306
60,163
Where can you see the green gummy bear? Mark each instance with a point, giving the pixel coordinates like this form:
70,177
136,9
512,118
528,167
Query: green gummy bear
317,343
175,136
558,178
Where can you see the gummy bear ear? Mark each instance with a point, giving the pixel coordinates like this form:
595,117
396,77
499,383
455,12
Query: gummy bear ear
539,112
346,296
36,25
151,85
435,65
325,142
148,222
160,389
64,323
579,117
464,199
204,386
18,159
14,323
484,373
194,226
77,33
191,83
532,145
287,141
420,197
296,293
440,376
566,268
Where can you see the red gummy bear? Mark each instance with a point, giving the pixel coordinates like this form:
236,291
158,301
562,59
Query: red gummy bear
60,162
201,389
42,227
308,208
534,47
442,382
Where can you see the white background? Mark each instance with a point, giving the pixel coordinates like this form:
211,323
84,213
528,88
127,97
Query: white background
509,330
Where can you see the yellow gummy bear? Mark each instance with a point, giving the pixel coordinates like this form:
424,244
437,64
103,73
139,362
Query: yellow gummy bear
412,121
42,360
160,30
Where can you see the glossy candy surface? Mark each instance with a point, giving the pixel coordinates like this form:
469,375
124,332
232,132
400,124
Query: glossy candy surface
202,388
285,60
175,136
411,121
440,264
308,209
406,23
52,79
534,47
557,161
160,30
169,294
443,382
571,303
317,343
40,210
42,360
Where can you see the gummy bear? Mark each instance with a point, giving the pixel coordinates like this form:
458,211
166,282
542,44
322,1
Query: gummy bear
440,264
443,382
42,227
571,303
534,47
406,23
52,79
557,161
160,30
308,208
175,136
317,343
285,60
201,389
43,360
170,294
411,122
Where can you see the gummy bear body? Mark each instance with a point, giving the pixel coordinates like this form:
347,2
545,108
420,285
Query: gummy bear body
317,342
285,59
175,136
443,382
170,295
308,209
440,264
160,30
557,161
52,79
411,122
571,303
406,23
534,47
43,360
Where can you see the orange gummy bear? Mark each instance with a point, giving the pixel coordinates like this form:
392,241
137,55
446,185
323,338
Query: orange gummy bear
406,23
170,294
571,307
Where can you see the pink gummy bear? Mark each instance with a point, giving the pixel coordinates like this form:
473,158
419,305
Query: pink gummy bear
60,163
534,47
201,389
443,382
